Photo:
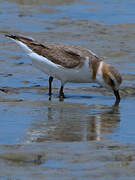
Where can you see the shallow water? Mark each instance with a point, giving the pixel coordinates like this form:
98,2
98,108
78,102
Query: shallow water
85,136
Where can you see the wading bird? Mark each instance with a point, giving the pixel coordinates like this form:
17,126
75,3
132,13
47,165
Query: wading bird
69,63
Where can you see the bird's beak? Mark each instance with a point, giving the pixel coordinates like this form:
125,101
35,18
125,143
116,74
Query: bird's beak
117,95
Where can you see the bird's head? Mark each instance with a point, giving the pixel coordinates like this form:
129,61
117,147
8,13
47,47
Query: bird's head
110,78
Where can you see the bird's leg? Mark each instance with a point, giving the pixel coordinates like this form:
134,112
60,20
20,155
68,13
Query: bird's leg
50,85
61,93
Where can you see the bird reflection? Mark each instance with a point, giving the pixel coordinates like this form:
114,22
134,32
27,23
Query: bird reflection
104,123
67,123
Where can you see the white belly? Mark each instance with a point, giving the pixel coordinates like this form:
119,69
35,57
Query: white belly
81,75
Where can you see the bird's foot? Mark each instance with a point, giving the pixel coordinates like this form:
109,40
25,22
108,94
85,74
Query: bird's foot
61,97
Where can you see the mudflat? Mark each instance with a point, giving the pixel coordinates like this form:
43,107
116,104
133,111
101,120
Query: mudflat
83,137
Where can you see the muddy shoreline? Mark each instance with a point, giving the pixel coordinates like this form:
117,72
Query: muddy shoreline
83,137
98,159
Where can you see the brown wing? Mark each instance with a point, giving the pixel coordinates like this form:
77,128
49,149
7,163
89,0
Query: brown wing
60,54
68,56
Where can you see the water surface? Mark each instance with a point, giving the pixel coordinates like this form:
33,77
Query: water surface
84,137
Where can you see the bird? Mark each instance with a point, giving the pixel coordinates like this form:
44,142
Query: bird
69,63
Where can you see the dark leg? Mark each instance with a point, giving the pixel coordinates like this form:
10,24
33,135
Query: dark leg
61,93
50,85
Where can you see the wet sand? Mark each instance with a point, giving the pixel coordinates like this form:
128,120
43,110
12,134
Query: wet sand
83,137
78,160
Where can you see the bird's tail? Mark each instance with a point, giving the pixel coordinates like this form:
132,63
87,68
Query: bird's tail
22,41
20,38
